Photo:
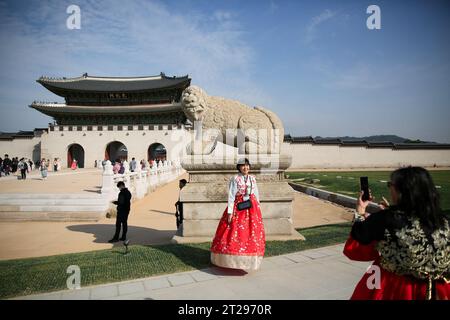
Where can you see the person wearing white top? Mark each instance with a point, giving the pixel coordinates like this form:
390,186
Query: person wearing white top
239,241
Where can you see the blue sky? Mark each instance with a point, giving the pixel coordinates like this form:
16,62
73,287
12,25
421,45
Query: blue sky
314,63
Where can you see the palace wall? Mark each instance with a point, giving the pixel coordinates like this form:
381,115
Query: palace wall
56,143
312,156
27,147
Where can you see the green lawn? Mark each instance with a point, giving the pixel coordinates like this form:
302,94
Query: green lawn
36,275
347,183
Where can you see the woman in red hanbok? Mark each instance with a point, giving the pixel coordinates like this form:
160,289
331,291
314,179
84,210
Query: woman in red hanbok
74,164
239,242
409,242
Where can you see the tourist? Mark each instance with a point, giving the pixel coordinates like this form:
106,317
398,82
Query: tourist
116,166
408,242
7,165
23,167
43,167
123,209
58,164
121,168
30,165
239,241
14,164
74,165
55,164
133,165
179,205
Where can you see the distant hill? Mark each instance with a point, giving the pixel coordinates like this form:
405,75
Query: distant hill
378,138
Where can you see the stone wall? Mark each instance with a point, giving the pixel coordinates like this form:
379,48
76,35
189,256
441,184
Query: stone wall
27,147
311,156
56,143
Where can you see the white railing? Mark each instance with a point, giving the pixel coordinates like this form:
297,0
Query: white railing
140,182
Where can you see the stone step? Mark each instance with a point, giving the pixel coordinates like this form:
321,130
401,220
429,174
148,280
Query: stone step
54,208
51,216
51,202
50,196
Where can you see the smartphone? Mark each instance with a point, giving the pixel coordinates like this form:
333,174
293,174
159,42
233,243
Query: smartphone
364,183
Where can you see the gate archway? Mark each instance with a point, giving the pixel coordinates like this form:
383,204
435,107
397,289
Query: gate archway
116,150
156,151
75,152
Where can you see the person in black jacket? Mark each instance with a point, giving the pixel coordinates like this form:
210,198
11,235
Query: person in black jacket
123,209
408,241
179,205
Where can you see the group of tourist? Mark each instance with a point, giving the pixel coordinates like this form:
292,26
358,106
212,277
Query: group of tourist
119,167
21,167
15,165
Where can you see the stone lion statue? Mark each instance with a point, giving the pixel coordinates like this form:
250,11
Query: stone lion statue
252,130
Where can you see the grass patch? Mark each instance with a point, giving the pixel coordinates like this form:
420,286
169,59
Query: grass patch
348,183
37,275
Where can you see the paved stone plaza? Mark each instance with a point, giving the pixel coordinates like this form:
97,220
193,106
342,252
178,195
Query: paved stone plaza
151,220
317,274
302,275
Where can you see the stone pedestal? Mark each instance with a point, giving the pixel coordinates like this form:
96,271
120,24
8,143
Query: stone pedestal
205,197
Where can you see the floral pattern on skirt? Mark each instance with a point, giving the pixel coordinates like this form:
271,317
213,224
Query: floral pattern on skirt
240,244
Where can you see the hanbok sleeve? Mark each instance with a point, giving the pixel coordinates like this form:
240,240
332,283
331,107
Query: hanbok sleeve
357,251
232,190
256,191
371,229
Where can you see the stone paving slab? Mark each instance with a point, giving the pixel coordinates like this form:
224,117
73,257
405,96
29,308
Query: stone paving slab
104,292
323,273
154,284
129,288
181,279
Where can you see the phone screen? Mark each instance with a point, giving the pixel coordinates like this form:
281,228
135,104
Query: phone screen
364,182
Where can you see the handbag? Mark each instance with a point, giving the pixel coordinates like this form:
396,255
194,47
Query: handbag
244,205
247,204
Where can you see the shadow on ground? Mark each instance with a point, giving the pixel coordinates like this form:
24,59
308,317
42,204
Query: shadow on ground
163,212
136,235
96,189
194,255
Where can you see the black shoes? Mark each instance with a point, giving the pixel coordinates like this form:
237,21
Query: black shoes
123,239
113,240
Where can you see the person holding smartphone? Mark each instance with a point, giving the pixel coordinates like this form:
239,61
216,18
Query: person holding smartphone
408,241
240,242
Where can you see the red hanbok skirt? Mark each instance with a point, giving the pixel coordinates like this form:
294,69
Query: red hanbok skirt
392,286
240,244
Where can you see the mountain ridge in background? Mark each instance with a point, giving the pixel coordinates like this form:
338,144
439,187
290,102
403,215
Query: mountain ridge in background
377,138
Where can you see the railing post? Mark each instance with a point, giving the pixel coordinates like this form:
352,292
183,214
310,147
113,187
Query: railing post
108,188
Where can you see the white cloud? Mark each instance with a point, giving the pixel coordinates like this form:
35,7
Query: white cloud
311,29
221,15
273,6
124,39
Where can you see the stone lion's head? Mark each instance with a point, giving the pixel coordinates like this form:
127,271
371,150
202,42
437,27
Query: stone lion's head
193,102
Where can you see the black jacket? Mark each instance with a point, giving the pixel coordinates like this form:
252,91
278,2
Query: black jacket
123,202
